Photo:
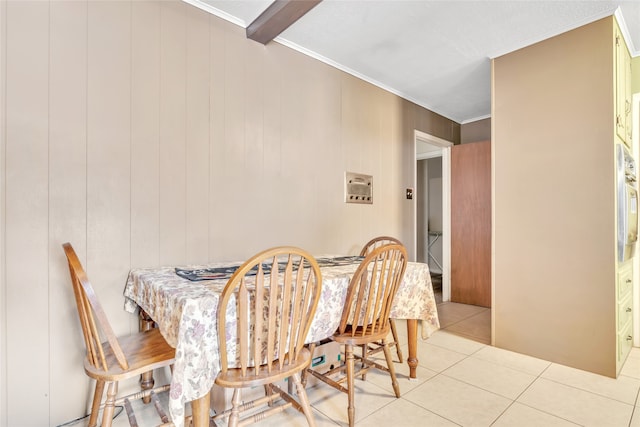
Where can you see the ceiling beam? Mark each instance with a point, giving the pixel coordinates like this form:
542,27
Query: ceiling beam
277,18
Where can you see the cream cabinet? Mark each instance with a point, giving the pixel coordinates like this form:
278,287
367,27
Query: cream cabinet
622,88
624,312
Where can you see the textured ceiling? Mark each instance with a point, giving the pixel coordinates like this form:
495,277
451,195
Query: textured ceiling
434,53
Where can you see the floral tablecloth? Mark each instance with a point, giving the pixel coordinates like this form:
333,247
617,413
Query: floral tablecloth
185,312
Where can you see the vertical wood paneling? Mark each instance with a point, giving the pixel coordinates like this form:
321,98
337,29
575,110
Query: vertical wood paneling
197,136
370,145
173,58
271,138
357,139
324,155
3,269
232,211
216,138
252,191
67,200
145,134
386,170
297,190
27,212
109,153
150,132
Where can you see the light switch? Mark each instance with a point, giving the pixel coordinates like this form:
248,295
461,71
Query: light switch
409,193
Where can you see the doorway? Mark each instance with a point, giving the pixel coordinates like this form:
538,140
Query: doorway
432,215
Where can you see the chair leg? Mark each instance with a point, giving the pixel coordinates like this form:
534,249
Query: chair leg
107,413
303,376
392,369
145,323
394,332
351,409
304,400
365,350
95,406
236,402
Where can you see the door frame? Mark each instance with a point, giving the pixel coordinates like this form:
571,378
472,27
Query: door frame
635,143
444,151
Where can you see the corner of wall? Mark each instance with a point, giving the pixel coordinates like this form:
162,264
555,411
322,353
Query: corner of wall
3,299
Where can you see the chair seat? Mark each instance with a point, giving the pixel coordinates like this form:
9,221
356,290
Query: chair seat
233,378
144,351
357,338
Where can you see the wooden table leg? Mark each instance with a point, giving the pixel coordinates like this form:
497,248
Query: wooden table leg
412,336
200,411
145,323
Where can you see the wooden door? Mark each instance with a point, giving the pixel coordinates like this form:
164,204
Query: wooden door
471,223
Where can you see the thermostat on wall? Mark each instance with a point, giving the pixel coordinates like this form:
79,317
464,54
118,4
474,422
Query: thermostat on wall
358,188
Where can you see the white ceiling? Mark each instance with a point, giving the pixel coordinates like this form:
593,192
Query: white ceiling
434,53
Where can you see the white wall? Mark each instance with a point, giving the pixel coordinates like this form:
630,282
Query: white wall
435,210
150,133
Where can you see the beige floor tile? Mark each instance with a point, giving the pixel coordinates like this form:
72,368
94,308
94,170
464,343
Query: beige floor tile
523,416
517,361
488,376
578,406
437,358
291,418
146,415
476,327
401,413
635,420
624,389
333,403
635,353
453,342
459,402
383,379
631,367
450,312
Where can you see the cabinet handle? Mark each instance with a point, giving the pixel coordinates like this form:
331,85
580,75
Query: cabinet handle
628,281
627,106
628,310
629,338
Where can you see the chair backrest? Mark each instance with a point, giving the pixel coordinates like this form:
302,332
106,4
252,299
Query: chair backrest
376,242
371,291
272,321
92,317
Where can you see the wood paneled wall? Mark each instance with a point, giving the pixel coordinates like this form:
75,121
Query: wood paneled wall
150,132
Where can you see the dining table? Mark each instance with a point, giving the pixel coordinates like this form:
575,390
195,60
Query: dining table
182,302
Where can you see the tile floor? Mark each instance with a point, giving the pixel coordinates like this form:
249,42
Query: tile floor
462,381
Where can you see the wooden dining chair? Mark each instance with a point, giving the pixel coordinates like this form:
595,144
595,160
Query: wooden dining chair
110,359
273,296
365,318
376,347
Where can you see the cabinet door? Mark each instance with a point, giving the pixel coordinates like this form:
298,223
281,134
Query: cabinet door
627,95
624,312
471,223
622,88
